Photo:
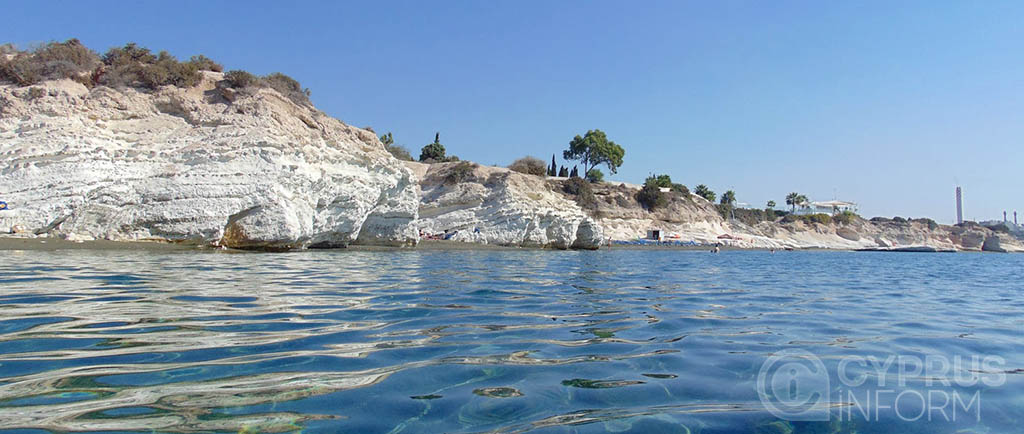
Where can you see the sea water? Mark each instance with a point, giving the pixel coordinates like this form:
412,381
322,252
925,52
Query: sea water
511,341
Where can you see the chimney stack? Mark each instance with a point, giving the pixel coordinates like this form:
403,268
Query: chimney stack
959,207
1004,217
1015,217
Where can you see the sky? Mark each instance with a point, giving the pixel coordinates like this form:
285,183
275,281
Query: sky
887,104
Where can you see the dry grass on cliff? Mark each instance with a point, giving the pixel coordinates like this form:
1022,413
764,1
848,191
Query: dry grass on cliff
128,66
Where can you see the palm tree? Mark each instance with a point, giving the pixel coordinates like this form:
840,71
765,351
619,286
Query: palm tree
771,204
793,199
705,192
728,198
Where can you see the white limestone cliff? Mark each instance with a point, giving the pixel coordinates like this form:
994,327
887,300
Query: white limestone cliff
200,165
491,205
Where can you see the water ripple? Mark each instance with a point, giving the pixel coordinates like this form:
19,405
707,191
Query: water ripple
508,341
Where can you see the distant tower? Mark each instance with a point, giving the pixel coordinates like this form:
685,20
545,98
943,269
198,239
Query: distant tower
1015,217
959,206
1004,217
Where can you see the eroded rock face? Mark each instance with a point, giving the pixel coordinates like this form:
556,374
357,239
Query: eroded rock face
993,243
189,165
491,205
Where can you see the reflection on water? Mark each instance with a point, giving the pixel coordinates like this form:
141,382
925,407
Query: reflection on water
421,341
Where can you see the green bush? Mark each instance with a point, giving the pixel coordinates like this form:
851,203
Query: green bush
899,219
595,175
749,216
650,196
432,153
724,210
663,181
845,217
583,192
530,166
824,219
459,173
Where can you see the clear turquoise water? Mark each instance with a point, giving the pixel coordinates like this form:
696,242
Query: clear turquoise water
471,341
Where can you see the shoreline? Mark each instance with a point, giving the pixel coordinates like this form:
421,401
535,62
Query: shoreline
49,244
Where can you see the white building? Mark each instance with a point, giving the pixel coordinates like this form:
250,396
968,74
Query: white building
826,207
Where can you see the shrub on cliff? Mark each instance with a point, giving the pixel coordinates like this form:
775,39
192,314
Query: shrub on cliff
52,61
595,175
134,66
287,86
824,219
681,189
205,63
845,217
459,173
582,191
238,79
396,151
530,166
932,225
650,196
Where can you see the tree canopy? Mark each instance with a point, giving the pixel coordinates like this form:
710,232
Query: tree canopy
650,195
660,180
705,192
594,149
728,198
435,152
795,199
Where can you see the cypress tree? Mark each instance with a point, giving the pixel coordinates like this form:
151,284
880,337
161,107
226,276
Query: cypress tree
553,170
563,172
575,173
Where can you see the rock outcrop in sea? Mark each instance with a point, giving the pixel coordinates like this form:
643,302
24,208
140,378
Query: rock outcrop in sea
201,165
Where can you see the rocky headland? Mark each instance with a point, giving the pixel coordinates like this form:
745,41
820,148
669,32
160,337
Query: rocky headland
201,165
219,162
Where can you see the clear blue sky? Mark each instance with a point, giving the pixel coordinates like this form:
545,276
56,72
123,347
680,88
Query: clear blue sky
888,104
